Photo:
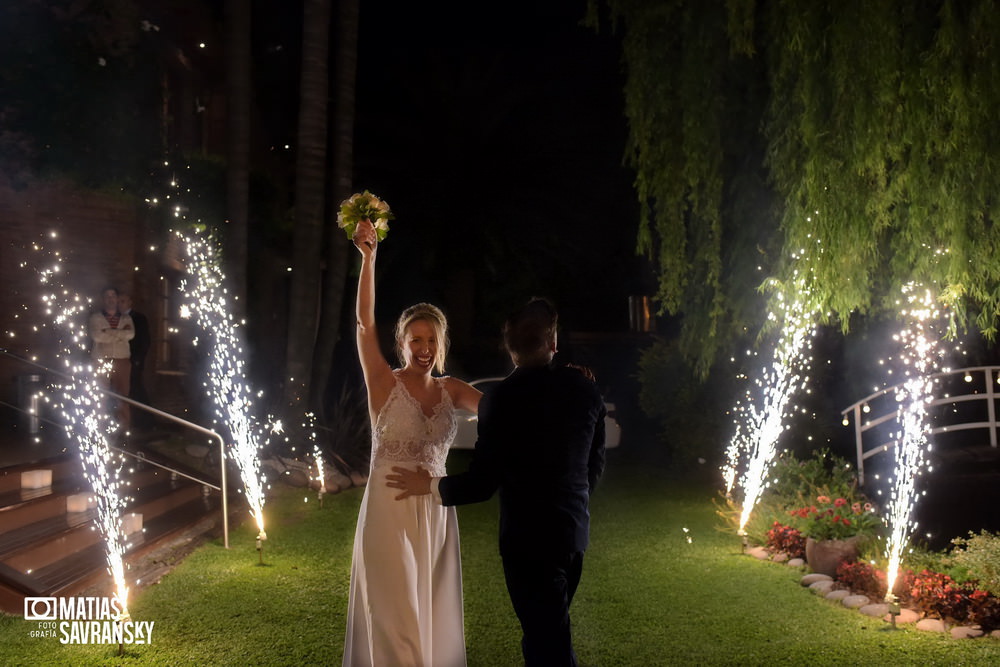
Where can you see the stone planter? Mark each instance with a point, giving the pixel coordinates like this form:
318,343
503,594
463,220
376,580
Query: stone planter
823,556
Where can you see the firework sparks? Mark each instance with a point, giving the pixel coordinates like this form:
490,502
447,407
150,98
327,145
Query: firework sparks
84,407
759,428
310,427
207,301
919,344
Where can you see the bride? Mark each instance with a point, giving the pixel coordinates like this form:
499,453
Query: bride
405,604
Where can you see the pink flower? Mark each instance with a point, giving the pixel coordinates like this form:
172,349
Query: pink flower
839,502
823,500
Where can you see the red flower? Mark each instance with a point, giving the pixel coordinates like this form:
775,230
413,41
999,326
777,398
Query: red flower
786,539
837,519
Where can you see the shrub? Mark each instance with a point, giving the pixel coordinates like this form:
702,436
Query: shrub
939,595
985,611
980,556
836,519
786,539
681,402
349,433
795,486
918,557
767,511
862,578
799,482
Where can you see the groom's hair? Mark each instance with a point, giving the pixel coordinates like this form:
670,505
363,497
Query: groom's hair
529,332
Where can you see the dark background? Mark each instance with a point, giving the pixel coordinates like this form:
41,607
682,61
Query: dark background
496,132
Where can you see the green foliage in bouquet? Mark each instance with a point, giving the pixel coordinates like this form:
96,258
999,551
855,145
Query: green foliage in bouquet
364,206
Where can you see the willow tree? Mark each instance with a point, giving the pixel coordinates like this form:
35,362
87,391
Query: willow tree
879,142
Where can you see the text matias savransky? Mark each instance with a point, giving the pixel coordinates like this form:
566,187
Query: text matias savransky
85,620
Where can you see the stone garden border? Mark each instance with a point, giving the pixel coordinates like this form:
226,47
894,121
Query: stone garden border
826,587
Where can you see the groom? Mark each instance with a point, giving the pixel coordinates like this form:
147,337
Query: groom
541,443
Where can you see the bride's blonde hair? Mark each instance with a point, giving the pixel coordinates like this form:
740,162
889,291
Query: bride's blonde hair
433,316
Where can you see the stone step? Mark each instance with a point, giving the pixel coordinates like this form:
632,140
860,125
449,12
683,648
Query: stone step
53,540
16,540
63,468
24,507
78,571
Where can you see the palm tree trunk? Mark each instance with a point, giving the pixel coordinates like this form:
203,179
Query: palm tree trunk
310,171
334,284
238,17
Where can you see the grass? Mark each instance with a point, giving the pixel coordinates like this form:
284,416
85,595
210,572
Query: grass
648,596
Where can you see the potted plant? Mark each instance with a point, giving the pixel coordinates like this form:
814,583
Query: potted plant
833,529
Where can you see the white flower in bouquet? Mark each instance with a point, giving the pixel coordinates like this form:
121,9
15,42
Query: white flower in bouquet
361,206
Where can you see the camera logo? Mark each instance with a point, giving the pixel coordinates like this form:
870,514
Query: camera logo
40,609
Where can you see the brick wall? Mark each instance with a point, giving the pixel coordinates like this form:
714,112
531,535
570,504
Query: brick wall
98,234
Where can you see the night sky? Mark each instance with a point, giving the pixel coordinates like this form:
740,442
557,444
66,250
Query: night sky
496,132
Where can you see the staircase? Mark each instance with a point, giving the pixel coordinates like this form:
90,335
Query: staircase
50,544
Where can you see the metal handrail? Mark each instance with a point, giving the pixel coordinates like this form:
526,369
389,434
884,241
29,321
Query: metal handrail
138,456
169,417
857,409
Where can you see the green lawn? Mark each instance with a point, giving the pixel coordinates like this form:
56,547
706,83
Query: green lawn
648,597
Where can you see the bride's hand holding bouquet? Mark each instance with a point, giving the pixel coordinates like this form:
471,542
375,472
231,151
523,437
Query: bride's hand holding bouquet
365,237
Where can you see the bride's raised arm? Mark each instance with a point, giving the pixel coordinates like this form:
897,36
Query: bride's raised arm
378,374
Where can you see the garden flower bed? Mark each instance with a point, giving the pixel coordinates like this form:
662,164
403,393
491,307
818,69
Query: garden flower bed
814,517
929,601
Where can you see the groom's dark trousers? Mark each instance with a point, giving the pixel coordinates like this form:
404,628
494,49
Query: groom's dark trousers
541,443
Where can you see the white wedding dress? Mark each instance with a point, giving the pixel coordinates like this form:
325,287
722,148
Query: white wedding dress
405,605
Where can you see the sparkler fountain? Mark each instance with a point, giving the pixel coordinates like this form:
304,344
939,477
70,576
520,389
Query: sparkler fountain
310,427
758,429
207,301
920,348
83,406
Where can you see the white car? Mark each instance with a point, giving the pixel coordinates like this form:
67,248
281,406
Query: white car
468,422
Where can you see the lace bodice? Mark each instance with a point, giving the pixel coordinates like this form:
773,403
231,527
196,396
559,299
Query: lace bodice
404,434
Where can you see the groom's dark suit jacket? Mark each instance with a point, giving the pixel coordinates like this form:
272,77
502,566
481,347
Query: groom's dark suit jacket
541,443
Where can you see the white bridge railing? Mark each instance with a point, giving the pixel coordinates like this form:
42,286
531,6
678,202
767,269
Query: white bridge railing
981,383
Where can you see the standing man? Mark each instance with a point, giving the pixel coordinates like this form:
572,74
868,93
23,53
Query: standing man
138,349
541,443
111,332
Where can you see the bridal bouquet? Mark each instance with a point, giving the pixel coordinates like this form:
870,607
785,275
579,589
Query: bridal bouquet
360,206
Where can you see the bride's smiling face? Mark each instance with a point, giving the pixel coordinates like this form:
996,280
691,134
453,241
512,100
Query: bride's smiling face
420,346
